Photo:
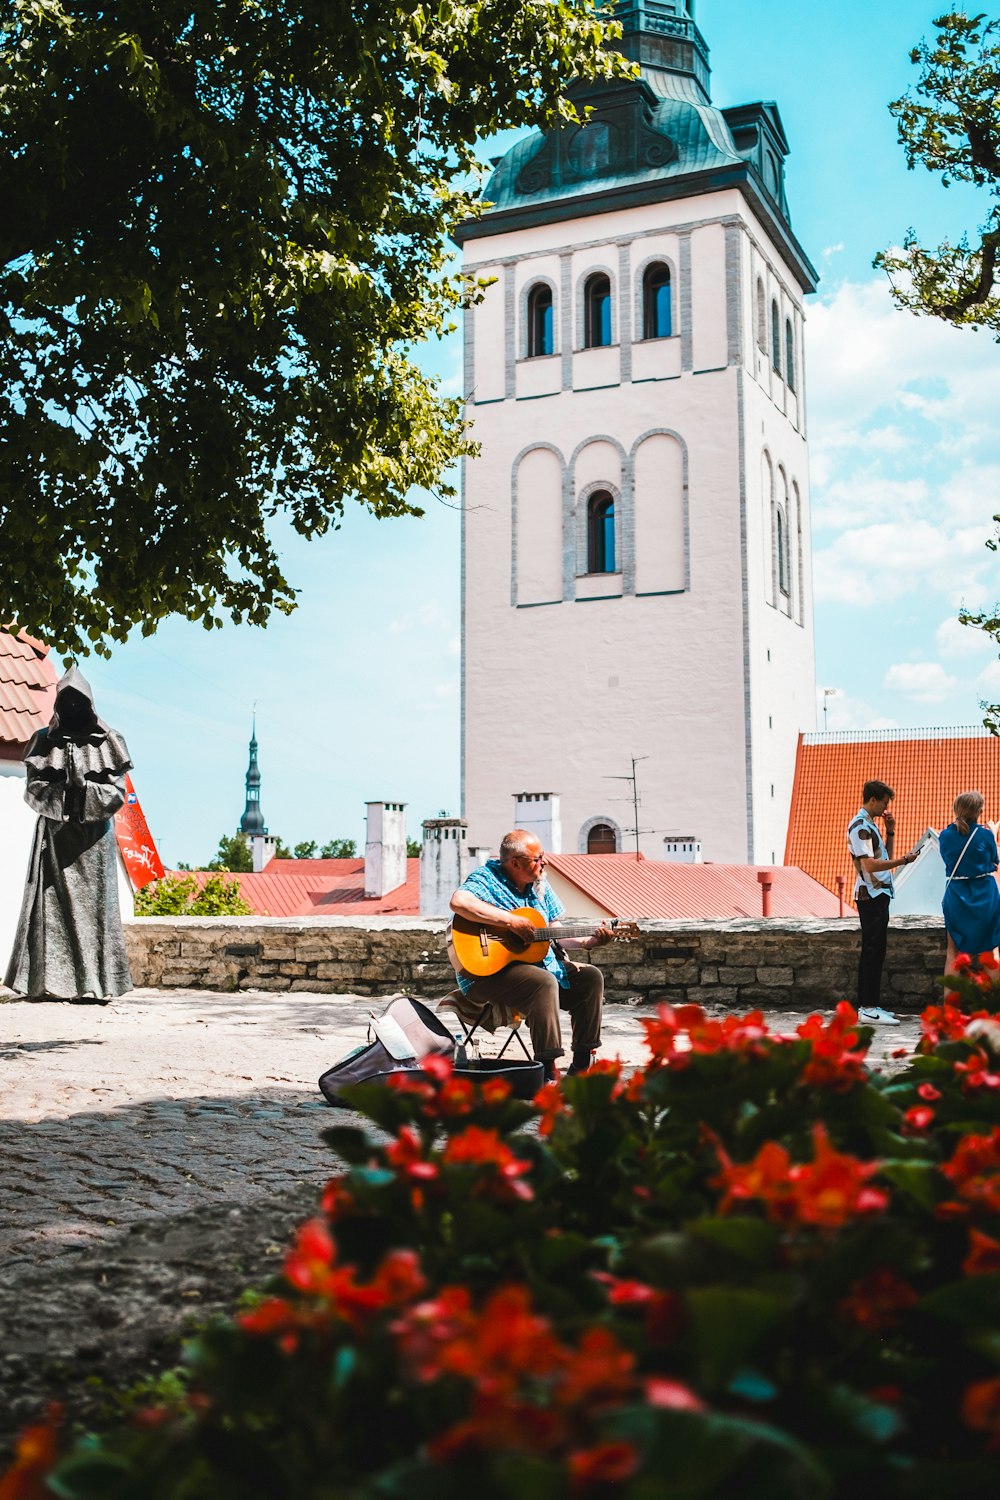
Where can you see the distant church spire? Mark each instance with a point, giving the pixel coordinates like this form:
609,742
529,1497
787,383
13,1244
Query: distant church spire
252,821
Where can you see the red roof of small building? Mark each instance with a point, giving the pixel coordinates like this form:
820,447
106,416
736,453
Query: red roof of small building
636,888
927,768
322,888
27,691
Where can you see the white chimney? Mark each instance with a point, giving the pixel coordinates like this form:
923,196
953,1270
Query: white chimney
538,813
684,849
443,864
385,847
262,847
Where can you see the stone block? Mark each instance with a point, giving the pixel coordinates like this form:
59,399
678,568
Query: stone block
293,970
731,974
336,971
771,978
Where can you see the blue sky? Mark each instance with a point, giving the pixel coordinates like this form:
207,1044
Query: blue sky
357,692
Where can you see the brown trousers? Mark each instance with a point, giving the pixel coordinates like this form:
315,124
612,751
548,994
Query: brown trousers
534,993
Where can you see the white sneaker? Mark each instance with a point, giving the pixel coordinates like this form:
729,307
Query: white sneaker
874,1015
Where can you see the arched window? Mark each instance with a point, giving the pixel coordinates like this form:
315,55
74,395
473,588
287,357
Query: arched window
761,315
601,839
597,312
601,533
781,542
775,338
540,335
789,355
657,322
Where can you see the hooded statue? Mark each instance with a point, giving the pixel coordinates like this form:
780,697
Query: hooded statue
69,943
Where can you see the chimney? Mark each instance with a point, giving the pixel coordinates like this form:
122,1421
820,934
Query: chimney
385,847
538,813
443,860
682,849
262,847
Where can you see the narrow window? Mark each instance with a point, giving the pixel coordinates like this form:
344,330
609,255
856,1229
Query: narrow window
761,316
540,340
657,322
789,355
782,544
597,312
601,839
600,533
775,338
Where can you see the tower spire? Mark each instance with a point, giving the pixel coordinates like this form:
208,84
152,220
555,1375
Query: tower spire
252,821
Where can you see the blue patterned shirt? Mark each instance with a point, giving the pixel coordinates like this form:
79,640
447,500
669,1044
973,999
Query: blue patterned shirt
490,884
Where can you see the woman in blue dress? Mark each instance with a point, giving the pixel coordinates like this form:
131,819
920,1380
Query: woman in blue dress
971,902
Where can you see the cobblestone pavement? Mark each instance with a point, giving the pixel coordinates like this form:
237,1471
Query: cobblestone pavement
156,1154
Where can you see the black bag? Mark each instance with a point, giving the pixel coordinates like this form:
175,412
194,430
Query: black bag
404,1034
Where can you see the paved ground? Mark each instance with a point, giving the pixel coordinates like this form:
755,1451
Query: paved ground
156,1154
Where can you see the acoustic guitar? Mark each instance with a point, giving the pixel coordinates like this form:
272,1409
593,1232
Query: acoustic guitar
481,952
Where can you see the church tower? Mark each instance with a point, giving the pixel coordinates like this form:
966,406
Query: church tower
252,821
636,563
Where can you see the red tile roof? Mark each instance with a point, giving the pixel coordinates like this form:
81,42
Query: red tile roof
927,768
335,889
628,887
27,691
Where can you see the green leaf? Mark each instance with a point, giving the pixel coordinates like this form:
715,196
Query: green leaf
974,1301
728,1323
920,1180
752,1240
90,1476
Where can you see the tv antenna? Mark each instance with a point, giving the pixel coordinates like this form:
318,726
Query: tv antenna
633,780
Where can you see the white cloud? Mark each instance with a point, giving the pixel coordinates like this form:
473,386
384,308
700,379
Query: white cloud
847,712
924,681
988,681
962,641
427,617
833,250
870,565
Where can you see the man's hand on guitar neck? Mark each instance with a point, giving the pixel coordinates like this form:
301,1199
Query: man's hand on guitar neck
597,939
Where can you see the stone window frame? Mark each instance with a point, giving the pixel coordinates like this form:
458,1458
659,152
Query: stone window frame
591,823
515,469
790,360
581,527
581,307
524,342
657,258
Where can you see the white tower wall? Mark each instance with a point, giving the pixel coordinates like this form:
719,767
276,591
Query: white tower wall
692,654
385,847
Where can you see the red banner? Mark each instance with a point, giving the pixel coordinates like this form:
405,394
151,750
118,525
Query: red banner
136,842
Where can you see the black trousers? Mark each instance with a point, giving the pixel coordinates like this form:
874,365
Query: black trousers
874,917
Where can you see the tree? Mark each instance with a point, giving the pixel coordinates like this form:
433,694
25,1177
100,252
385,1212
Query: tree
306,850
413,848
222,229
952,126
233,854
339,849
179,896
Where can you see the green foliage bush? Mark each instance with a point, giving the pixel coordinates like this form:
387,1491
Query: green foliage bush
179,896
753,1268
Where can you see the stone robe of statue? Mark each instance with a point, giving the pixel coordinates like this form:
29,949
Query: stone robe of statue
69,943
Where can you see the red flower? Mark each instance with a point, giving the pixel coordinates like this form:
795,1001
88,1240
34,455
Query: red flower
975,1073
929,1092
983,1258
496,1091
501,1425
826,1192
455,1097
550,1101
962,962
35,1453
437,1067
877,1300
310,1257
599,1369
836,1062
484,1148
981,1410
405,1153
941,1023
607,1463
974,1172
988,961
624,1293
337,1198
672,1394
919,1117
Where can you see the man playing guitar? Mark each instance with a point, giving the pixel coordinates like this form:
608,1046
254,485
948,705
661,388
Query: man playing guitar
487,902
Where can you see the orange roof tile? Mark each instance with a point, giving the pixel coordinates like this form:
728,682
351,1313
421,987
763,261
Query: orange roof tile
27,690
927,768
630,887
299,890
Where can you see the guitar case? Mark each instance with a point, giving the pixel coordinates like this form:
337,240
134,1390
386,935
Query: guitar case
405,1033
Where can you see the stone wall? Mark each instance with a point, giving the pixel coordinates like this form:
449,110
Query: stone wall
739,965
